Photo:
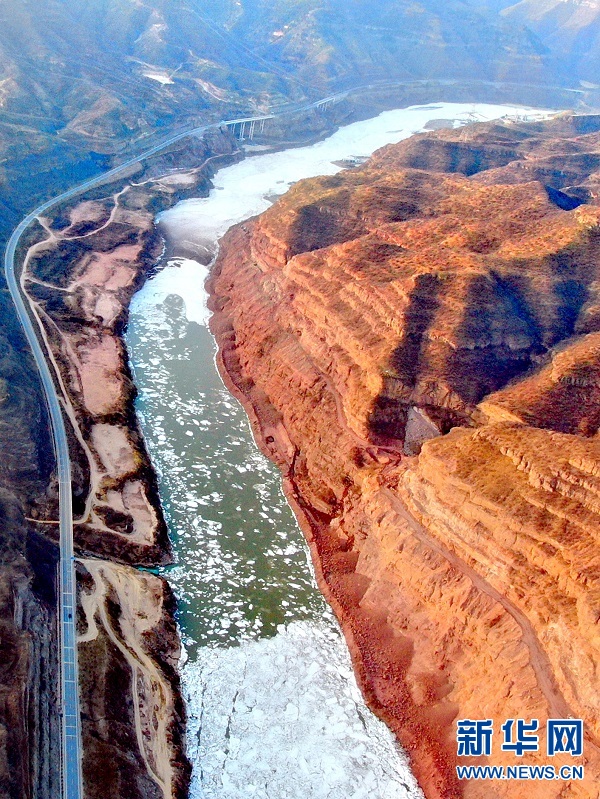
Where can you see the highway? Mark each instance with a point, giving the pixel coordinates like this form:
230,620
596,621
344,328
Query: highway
71,733
72,786
71,737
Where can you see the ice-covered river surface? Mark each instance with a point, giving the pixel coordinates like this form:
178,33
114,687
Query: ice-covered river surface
274,710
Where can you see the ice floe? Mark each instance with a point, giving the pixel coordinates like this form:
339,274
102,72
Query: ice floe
282,718
244,189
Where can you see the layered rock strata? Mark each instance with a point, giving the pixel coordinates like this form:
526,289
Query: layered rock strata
416,342
80,269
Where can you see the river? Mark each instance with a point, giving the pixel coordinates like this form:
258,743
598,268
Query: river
274,709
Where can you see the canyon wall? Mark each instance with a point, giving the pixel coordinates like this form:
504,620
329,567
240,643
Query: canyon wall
416,343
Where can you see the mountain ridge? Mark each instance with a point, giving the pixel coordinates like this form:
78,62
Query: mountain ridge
79,89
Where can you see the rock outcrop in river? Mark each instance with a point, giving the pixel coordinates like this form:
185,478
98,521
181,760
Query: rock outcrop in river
417,344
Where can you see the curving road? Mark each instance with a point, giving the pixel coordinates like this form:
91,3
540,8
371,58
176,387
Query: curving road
71,734
72,787
71,739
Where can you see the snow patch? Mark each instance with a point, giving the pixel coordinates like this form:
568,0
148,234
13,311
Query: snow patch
161,77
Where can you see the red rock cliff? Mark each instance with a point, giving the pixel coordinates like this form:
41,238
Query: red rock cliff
417,344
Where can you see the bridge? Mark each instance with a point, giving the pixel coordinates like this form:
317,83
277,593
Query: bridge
245,129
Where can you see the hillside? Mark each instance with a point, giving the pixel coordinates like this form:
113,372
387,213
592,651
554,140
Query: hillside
81,85
568,29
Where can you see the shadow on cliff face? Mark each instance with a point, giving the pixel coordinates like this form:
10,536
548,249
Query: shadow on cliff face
574,274
324,223
506,325
423,305
448,155
496,338
572,296
501,332
346,214
448,373
388,417
563,201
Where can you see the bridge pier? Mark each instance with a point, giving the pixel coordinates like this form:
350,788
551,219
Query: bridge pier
246,129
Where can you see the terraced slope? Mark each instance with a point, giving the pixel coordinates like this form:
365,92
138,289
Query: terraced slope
416,341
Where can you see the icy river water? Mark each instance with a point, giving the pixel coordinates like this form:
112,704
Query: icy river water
274,709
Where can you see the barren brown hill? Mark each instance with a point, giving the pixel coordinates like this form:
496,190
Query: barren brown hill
417,343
